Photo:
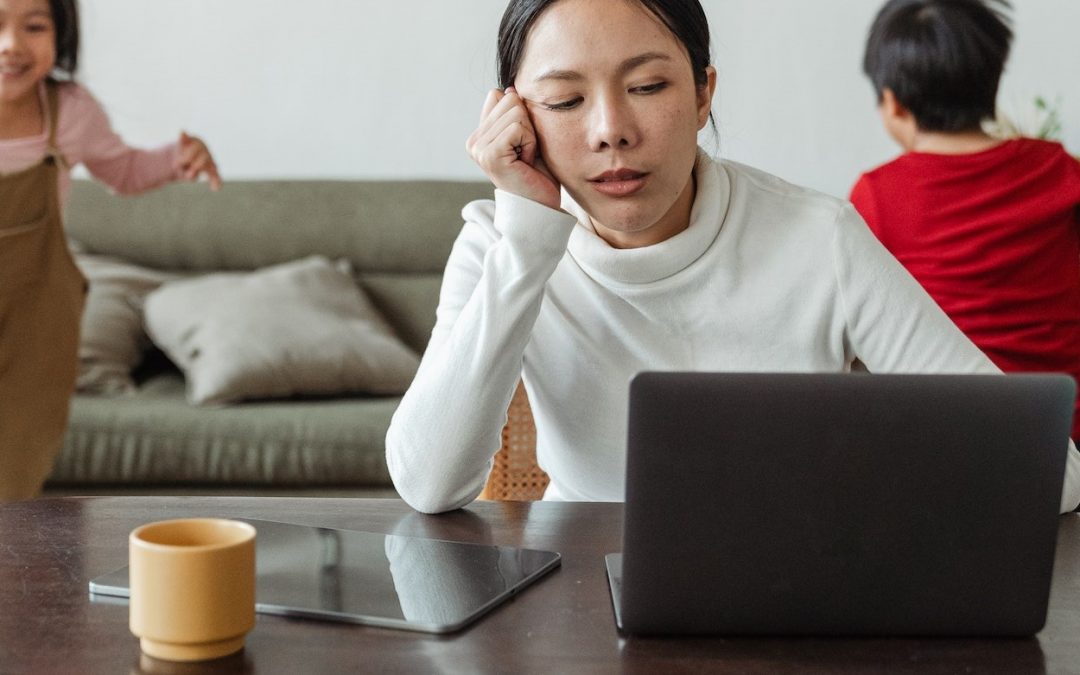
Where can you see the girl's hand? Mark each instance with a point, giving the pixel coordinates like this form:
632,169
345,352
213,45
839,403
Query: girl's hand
507,149
194,160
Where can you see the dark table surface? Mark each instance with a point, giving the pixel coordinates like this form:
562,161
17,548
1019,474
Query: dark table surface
51,548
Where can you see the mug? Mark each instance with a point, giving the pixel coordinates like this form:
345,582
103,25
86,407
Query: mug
192,587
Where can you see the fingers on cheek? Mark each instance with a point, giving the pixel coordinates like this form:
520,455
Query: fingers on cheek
505,128
490,153
524,133
512,138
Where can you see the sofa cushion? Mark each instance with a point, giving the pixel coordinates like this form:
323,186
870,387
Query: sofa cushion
302,327
112,340
156,437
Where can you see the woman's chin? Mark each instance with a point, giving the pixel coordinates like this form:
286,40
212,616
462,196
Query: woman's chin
624,222
625,231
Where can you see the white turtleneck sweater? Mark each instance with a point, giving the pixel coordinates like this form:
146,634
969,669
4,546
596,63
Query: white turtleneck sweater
768,277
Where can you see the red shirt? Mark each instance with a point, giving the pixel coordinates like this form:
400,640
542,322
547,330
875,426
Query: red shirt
994,238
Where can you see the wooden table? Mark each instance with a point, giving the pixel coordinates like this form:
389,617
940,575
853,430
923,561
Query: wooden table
50,549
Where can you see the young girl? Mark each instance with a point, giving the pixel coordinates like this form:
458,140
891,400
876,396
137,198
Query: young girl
614,245
46,127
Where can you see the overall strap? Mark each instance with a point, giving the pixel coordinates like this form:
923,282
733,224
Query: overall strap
52,100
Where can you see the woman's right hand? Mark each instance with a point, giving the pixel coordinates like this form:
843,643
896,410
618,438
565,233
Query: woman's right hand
507,149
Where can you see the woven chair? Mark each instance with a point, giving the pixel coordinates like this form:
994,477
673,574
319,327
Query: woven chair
515,475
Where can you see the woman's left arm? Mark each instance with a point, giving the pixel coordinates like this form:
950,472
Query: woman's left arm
894,326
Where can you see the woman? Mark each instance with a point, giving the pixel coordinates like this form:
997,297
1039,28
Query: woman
614,245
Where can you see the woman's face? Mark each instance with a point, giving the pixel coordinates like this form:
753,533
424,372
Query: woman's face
612,96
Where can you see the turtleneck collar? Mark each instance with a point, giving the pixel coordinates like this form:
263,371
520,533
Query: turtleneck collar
659,261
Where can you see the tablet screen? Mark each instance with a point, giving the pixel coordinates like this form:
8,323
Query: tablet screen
385,580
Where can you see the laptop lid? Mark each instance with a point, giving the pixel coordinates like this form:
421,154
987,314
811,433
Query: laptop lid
839,504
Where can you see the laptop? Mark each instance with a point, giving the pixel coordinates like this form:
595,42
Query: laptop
841,504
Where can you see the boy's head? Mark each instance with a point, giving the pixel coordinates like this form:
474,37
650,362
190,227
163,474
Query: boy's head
941,60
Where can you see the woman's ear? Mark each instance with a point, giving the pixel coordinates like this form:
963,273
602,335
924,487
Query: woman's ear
705,97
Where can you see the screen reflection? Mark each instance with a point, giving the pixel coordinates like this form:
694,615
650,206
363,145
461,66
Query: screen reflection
392,580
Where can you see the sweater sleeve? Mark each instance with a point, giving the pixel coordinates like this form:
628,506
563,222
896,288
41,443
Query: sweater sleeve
894,326
445,432
125,169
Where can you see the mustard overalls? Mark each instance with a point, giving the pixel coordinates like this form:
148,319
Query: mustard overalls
41,303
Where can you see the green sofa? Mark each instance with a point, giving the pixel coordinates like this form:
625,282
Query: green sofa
397,236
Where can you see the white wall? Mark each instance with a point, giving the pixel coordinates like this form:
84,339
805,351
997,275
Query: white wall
378,89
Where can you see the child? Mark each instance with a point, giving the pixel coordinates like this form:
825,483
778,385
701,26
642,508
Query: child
989,228
47,126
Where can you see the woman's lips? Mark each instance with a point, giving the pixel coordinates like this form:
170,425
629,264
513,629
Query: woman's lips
619,183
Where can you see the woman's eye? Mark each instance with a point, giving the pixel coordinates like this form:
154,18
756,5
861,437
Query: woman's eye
38,27
649,88
564,105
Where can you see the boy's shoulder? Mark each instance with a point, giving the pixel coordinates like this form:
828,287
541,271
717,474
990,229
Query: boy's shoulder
1023,166
1037,148
1013,152
888,168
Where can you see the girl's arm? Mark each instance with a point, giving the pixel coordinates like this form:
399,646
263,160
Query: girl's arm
894,326
446,431
125,169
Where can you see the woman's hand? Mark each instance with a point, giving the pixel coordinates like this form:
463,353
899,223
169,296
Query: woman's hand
194,160
507,149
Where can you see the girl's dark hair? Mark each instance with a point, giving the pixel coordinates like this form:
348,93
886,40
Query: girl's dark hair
684,18
942,59
65,15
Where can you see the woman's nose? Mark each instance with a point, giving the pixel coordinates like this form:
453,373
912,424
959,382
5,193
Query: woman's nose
613,125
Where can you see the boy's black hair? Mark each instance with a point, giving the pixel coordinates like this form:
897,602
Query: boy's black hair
942,59
65,15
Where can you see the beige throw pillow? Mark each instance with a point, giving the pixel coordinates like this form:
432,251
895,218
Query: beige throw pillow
112,340
303,327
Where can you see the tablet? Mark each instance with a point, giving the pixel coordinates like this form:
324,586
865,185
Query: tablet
387,580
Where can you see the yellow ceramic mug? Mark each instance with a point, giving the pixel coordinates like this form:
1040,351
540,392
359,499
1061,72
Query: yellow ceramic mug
192,587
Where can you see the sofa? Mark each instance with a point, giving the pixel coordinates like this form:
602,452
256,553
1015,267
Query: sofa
395,235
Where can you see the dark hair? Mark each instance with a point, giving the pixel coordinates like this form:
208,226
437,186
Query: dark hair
65,16
942,59
684,18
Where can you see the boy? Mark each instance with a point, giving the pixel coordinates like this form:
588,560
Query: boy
988,227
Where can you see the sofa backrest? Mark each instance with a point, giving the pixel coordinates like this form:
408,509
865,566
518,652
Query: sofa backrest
397,234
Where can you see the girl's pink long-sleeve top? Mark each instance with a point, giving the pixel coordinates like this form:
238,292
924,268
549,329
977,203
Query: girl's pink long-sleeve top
84,136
